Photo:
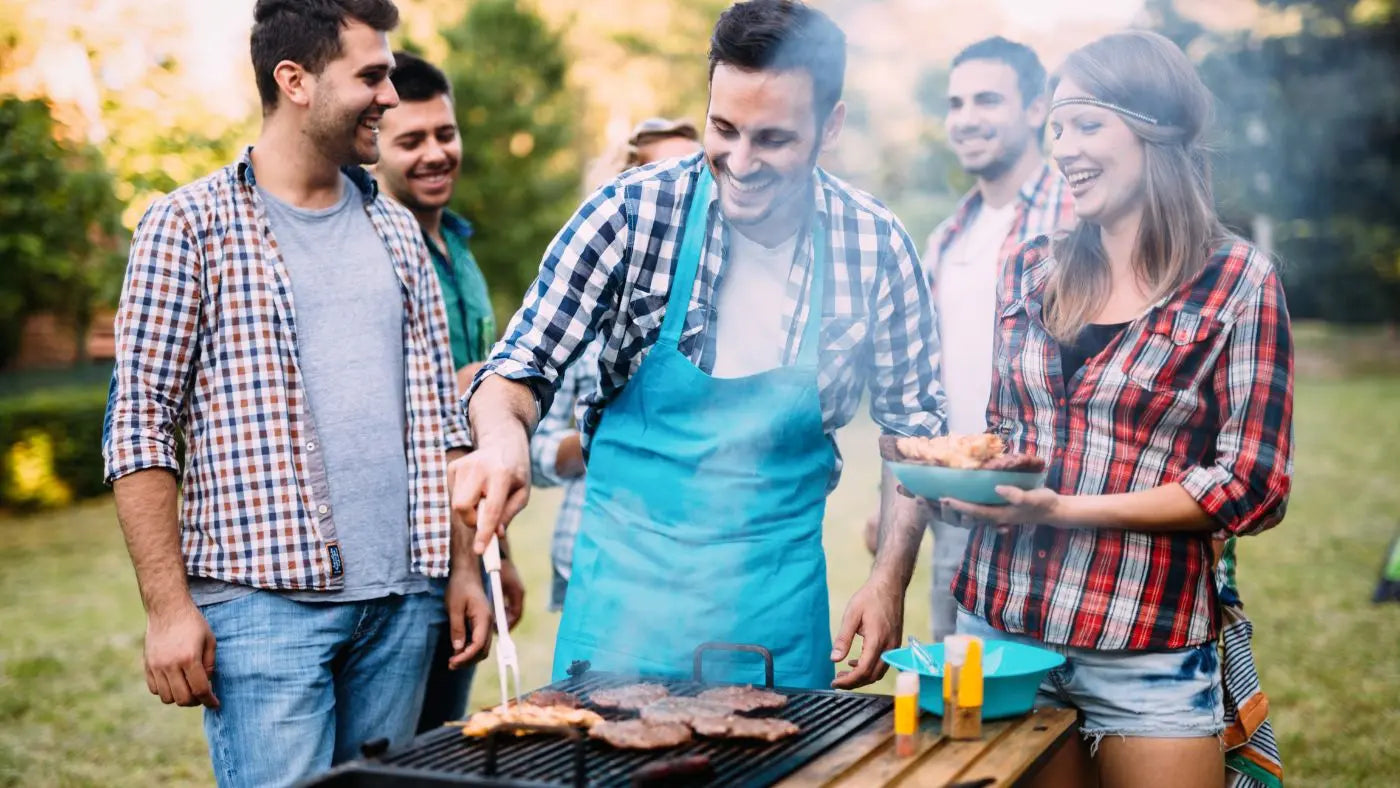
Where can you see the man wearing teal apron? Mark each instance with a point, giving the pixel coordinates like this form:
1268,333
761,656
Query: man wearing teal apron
745,301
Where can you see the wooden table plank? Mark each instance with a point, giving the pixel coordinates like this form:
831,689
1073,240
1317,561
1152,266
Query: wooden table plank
961,761
1038,737
1007,750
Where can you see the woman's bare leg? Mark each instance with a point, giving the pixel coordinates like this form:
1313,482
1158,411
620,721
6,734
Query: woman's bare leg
1160,763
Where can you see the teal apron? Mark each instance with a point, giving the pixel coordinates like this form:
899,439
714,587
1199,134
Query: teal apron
703,514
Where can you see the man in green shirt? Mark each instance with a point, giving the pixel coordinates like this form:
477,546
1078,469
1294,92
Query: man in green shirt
420,150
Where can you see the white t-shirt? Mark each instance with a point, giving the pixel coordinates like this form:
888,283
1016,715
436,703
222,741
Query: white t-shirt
750,334
966,288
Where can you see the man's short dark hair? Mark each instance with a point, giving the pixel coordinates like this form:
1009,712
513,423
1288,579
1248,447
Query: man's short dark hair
1030,74
779,35
415,79
307,32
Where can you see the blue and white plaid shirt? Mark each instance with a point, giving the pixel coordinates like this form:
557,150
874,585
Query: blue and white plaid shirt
608,273
556,425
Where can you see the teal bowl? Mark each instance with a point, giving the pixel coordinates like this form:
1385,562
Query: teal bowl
965,484
1009,692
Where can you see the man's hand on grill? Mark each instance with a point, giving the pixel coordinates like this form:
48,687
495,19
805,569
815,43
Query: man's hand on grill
469,618
494,481
180,656
876,613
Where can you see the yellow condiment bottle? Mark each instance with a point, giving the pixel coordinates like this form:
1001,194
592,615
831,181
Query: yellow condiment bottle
906,714
967,715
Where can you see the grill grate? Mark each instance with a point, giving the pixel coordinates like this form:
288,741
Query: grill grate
446,757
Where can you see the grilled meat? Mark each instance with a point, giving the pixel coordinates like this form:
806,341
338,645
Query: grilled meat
553,698
952,451
641,734
481,723
733,726
1028,463
628,696
745,698
683,710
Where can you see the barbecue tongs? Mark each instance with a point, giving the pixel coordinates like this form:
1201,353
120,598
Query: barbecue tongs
506,658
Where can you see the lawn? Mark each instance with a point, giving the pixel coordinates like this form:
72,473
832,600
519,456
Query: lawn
74,709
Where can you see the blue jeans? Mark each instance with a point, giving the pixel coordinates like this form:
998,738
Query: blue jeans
302,685
1167,694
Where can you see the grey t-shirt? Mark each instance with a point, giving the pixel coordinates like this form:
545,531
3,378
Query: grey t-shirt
349,326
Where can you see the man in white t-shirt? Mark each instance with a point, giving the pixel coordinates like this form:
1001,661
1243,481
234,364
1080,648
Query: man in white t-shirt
995,123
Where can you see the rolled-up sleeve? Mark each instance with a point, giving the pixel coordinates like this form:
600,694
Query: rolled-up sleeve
576,291
906,397
156,331
1246,488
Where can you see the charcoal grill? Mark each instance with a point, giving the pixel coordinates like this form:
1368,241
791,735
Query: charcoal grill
445,757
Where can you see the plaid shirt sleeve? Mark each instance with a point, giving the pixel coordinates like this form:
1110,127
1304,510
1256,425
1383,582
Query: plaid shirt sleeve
576,291
433,313
1246,489
157,327
906,396
556,425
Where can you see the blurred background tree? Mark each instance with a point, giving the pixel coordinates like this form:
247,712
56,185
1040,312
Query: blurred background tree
520,164
60,224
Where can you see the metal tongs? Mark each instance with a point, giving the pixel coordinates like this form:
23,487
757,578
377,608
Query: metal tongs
506,658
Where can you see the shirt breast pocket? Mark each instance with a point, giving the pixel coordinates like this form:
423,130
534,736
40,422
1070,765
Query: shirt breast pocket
646,311
1175,351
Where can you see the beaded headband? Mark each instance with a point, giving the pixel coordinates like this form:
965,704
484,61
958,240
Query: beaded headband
1093,102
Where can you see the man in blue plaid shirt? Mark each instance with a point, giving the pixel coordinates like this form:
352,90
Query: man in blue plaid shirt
744,301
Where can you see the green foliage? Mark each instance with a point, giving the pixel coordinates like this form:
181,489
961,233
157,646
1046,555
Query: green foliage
51,447
59,222
520,167
1309,132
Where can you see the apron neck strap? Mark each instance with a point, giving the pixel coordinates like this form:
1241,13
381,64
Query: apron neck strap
695,231
694,234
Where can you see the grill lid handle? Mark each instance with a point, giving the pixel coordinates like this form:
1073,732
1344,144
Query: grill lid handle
699,673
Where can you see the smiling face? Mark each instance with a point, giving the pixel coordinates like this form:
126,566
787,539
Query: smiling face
762,140
1101,157
349,96
420,153
989,124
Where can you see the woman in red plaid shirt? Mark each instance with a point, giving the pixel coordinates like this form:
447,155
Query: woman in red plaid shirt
1146,356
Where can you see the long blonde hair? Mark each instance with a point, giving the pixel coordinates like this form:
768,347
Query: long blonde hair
1148,75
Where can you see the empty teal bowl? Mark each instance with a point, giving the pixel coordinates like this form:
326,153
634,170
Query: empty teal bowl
965,484
1010,692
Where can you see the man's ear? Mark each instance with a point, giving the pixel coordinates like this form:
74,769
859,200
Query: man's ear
294,83
831,130
1037,111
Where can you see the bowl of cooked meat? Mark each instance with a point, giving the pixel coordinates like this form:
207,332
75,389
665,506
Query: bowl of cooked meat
966,467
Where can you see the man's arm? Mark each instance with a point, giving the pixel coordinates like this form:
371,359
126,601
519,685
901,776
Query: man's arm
575,295
156,329
906,399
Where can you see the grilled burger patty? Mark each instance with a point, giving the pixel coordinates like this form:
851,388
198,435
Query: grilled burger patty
683,710
627,696
734,726
745,698
641,734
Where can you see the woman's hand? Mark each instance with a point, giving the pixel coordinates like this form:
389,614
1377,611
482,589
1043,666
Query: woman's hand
1041,506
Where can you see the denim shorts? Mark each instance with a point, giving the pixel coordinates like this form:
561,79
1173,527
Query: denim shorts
1170,694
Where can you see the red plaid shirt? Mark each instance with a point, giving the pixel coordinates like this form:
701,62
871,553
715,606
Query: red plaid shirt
1197,391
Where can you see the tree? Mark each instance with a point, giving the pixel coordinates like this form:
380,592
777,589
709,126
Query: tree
1310,136
59,224
520,169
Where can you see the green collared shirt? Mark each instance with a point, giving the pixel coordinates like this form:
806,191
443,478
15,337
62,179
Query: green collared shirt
470,320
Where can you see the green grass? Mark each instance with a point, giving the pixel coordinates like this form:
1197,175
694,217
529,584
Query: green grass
74,708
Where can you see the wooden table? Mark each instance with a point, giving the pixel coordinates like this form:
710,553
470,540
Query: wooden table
1008,751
